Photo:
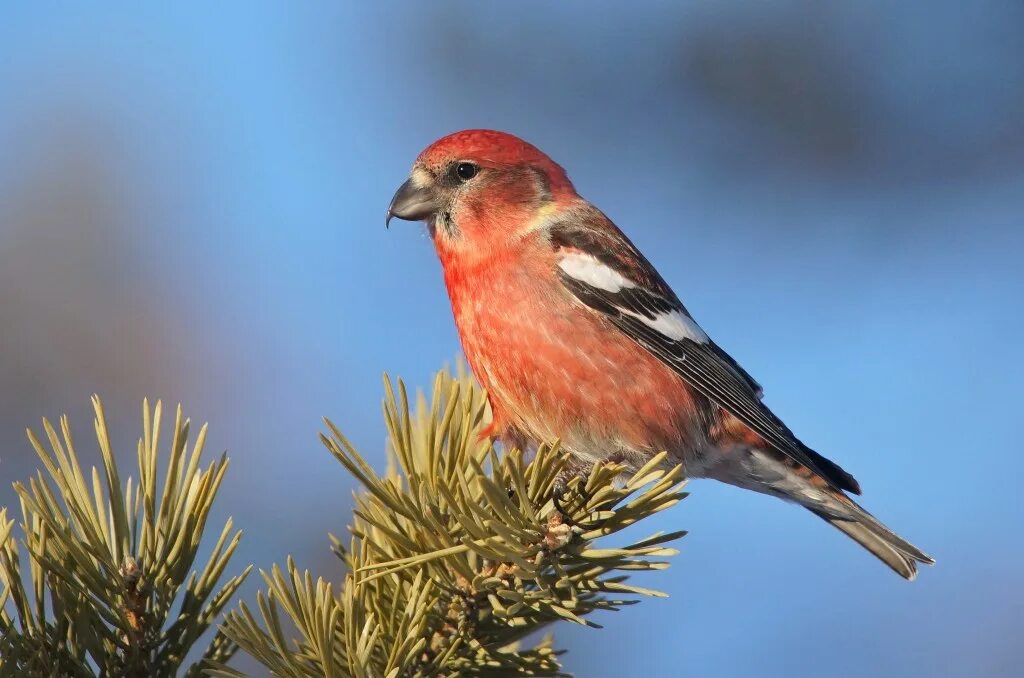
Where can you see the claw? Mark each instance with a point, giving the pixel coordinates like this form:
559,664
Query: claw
558,492
561,488
576,468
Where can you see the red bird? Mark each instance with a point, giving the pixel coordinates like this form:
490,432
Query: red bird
575,336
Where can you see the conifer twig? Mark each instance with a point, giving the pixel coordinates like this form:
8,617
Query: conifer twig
456,554
110,588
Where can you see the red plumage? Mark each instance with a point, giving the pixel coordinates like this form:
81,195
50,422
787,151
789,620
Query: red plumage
555,370
576,336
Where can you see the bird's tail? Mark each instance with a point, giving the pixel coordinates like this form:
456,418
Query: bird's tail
886,545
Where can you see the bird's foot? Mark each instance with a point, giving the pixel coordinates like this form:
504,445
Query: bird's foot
561,489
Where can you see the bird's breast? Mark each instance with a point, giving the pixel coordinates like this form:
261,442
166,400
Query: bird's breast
555,369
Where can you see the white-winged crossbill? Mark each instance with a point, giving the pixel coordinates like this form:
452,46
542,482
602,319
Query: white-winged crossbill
576,337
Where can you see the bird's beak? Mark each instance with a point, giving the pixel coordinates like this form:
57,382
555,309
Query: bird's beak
412,203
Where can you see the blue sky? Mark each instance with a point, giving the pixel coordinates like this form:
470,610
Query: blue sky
835,192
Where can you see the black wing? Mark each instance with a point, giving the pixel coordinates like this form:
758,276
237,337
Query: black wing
641,309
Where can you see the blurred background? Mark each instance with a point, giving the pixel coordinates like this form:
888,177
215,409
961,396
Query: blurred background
192,204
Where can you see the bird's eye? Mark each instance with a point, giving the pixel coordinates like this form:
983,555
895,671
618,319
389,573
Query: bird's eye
466,171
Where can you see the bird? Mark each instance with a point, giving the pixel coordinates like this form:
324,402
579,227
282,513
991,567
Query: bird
576,337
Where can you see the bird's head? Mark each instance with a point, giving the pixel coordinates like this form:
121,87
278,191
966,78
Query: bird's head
478,190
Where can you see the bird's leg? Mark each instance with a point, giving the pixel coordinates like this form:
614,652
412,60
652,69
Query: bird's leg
559,490
574,468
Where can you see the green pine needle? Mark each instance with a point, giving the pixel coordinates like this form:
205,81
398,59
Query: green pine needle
110,588
456,554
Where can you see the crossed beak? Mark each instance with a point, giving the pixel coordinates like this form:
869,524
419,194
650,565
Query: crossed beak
411,203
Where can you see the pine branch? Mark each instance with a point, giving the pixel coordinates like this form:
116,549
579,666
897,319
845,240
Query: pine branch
108,562
456,554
